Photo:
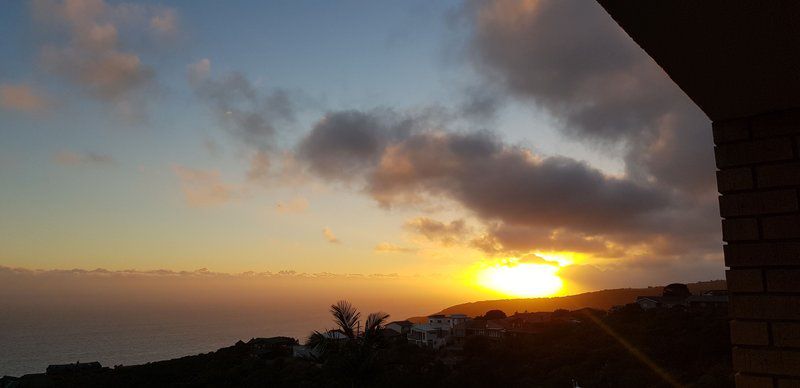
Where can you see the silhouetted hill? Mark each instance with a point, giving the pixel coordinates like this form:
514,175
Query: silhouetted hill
603,300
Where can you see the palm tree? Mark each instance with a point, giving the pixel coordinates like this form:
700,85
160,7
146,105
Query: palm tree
374,324
348,320
346,317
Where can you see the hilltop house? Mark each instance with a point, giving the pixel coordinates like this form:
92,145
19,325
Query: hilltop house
678,295
402,327
58,369
310,352
271,347
436,332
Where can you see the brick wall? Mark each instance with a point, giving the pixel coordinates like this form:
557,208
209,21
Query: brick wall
759,183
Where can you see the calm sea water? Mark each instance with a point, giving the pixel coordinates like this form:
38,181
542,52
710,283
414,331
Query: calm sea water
57,317
29,343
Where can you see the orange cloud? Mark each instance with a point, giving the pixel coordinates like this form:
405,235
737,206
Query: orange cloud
21,97
294,206
385,247
328,233
203,188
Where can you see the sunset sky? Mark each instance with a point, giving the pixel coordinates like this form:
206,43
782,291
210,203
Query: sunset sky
462,147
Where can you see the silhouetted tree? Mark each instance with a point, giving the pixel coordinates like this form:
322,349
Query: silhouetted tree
346,317
677,289
494,314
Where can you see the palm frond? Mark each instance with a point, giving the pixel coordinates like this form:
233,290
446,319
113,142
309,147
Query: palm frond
375,322
346,317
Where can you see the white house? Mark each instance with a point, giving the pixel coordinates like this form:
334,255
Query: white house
436,332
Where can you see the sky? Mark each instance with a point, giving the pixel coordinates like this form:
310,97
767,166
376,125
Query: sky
479,149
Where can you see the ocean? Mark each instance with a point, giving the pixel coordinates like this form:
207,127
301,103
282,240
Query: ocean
128,317
29,344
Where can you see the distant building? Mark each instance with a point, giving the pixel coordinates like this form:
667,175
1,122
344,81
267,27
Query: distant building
402,327
436,332
651,302
714,299
271,347
313,352
494,329
59,369
678,295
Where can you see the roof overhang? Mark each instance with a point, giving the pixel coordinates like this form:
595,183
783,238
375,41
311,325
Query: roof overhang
734,58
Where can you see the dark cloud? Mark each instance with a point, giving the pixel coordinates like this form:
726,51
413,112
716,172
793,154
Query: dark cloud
447,234
345,143
569,57
250,114
499,182
481,103
525,201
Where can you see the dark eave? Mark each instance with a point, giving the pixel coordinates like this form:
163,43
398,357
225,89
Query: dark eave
734,58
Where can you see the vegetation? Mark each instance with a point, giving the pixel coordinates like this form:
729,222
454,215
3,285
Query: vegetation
627,348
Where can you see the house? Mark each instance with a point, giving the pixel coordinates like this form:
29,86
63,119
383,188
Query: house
271,347
402,327
428,336
651,302
437,331
526,317
710,300
673,295
59,369
313,352
494,329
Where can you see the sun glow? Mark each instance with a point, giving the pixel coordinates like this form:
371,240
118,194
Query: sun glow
519,279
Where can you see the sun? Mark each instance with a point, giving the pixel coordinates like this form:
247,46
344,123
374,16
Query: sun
523,280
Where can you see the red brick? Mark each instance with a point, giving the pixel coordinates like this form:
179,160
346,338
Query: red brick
783,280
766,202
778,175
765,306
738,229
781,227
768,361
748,381
734,179
749,333
786,334
775,124
789,383
744,280
762,254
751,152
730,130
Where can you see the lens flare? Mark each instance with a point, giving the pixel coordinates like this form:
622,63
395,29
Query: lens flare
525,280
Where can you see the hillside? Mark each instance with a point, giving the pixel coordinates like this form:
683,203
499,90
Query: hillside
596,299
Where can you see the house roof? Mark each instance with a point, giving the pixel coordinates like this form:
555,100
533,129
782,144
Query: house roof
734,58
708,299
401,323
425,327
272,341
493,324
662,299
